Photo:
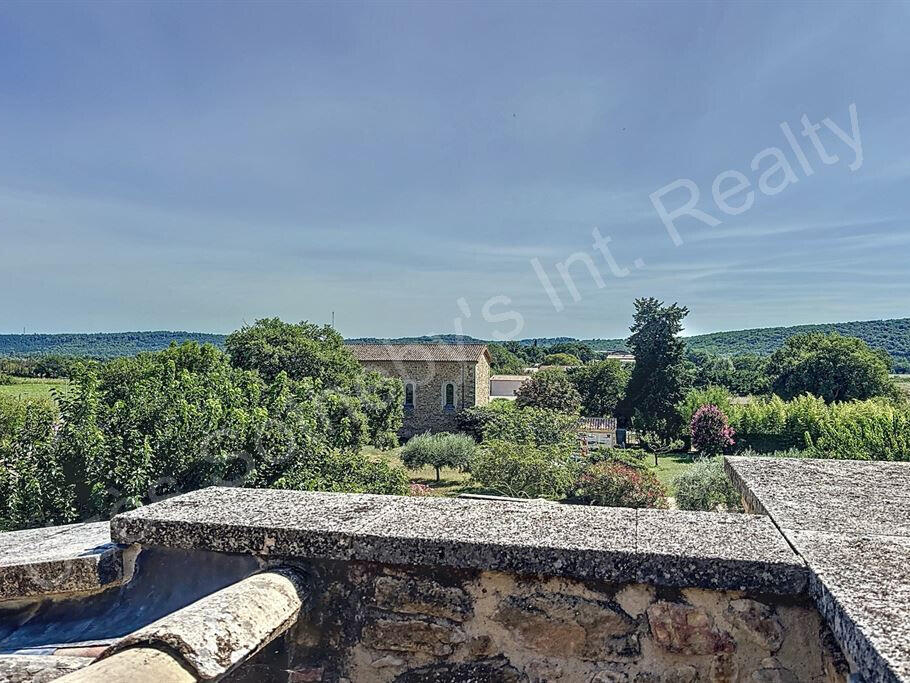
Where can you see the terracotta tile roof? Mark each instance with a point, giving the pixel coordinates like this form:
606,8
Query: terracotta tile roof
419,352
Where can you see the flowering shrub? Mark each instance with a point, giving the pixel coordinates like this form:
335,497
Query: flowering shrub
711,431
421,490
616,484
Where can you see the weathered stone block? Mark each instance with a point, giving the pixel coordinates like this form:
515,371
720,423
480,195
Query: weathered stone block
412,635
757,622
497,670
724,669
568,626
681,674
421,596
311,674
686,630
635,598
776,675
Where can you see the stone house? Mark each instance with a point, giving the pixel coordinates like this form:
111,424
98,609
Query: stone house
439,380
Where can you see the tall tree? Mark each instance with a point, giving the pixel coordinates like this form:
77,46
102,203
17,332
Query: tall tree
660,377
830,366
602,385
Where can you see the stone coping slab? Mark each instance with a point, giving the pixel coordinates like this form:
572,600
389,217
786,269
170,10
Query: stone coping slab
838,496
850,522
73,558
671,548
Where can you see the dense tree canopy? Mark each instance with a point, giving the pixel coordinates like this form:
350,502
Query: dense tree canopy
137,429
660,377
560,359
743,374
550,389
579,350
271,346
504,362
601,385
832,367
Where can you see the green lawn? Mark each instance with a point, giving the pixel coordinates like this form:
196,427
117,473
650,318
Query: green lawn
669,467
32,388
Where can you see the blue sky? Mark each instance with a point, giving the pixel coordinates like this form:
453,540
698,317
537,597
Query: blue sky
197,165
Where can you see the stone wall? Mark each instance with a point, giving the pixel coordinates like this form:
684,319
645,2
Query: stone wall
482,382
370,622
472,387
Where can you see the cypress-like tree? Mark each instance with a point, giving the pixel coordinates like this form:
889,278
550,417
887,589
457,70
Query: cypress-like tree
660,378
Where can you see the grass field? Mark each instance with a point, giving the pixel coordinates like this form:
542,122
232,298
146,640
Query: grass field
32,388
669,467
453,482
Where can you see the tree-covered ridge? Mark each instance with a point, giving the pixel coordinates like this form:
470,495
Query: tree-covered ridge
100,345
891,335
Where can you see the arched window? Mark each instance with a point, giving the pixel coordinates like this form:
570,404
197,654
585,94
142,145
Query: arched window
449,396
409,395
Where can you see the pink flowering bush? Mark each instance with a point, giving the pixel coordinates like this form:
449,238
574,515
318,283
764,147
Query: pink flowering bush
711,430
421,490
617,484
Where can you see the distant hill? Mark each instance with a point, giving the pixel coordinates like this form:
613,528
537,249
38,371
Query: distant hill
891,335
98,345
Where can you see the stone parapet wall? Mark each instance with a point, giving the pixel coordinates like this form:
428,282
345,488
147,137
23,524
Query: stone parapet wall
371,622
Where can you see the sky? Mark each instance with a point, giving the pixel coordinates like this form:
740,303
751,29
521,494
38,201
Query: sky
430,167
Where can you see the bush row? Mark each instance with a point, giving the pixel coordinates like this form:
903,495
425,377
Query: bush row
874,429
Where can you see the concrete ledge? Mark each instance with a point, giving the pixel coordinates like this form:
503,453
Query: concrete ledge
668,548
850,522
75,558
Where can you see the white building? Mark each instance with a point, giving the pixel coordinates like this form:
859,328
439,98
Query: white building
505,386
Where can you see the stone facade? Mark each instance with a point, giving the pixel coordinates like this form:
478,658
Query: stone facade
370,622
427,370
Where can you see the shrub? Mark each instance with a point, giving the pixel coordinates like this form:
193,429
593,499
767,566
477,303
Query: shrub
633,457
438,451
523,471
346,472
705,486
712,395
711,431
875,429
550,389
421,490
533,427
475,420
617,484
784,453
